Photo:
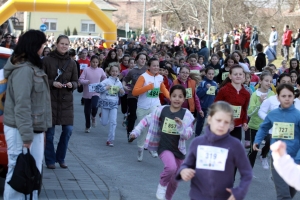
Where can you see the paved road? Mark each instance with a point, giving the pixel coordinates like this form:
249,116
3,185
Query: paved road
118,168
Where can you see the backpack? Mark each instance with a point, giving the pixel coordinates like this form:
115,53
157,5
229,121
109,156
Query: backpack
26,176
3,87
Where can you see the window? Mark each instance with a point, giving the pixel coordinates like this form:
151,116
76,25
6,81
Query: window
88,26
51,24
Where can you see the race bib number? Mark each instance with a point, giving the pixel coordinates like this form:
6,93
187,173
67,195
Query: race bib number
83,66
217,72
211,158
113,90
211,90
188,93
195,71
169,126
224,75
92,87
153,93
283,130
237,111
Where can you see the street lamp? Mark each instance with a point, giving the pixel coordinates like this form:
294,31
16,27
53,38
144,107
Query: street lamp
209,24
144,18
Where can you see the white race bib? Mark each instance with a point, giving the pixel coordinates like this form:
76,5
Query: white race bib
211,158
83,66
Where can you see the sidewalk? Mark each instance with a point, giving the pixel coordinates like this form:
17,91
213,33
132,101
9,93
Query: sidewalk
78,181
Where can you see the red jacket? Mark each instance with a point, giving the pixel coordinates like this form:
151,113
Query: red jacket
236,98
287,38
123,67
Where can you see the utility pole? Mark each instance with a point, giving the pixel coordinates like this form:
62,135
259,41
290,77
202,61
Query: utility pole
144,18
209,24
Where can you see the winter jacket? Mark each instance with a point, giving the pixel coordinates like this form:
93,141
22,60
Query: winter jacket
287,38
61,98
205,99
27,102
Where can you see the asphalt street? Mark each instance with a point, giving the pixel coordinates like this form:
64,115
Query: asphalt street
138,180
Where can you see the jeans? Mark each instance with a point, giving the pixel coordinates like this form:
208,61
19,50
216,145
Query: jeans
109,116
274,48
254,52
90,105
132,105
297,52
286,52
283,190
167,177
14,148
141,113
59,156
200,122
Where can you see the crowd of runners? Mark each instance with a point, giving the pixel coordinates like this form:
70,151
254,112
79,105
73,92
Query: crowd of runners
171,93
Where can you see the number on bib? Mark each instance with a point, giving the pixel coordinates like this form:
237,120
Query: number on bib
211,90
217,72
237,111
211,158
195,71
283,130
153,93
224,75
169,126
188,93
114,90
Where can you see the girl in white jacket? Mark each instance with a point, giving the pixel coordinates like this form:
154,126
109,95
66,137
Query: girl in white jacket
110,89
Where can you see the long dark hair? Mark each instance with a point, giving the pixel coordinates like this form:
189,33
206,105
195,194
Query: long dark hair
28,46
230,57
297,68
241,56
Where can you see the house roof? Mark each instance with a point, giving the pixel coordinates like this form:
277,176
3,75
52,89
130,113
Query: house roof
104,5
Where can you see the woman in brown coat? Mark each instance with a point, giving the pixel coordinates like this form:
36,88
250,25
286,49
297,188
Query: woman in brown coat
62,78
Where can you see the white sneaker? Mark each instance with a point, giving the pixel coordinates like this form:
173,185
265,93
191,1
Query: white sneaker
161,192
264,162
94,123
153,154
140,155
87,130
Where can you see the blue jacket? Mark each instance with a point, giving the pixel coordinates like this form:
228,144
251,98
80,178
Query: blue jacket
288,115
205,100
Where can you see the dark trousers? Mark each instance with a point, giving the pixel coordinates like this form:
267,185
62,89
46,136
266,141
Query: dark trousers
237,133
283,190
123,101
247,133
132,105
265,150
200,122
90,106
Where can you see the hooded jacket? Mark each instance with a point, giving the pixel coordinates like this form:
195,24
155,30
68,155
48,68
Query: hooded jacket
210,184
61,98
205,100
27,104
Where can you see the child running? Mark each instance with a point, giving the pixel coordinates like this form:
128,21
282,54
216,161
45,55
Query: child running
286,127
110,90
147,88
205,92
260,95
169,128
91,75
228,63
214,63
192,101
213,157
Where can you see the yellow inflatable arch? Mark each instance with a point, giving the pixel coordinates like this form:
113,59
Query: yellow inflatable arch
87,7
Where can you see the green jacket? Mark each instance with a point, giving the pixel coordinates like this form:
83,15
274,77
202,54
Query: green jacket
253,108
27,101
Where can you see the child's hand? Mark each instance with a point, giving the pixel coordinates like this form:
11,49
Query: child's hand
201,113
122,91
208,86
255,147
245,126
278,149
132,136
108,87
262,98
187,174
231,196
178,121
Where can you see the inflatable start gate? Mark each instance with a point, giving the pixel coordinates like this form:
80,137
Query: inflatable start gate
87,7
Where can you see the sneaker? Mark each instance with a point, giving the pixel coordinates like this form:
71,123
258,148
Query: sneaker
264,162
87,130
94,123
161,192
140,155
153,154
108,143
247,144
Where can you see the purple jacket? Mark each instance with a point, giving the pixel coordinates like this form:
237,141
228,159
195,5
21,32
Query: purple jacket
211,184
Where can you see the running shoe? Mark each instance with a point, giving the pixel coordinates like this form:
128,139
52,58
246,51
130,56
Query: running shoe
264,162
161,192
109,143
140,155
94,123
153,154
87,130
